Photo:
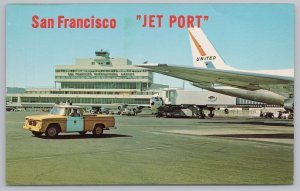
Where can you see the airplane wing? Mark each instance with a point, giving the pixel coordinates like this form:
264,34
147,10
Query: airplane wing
244,80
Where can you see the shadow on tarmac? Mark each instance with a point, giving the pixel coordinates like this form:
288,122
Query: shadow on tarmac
87,136
270,123
262,136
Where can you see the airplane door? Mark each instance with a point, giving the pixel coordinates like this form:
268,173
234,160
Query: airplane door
74,124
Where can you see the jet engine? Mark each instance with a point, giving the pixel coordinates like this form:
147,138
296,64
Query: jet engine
289,104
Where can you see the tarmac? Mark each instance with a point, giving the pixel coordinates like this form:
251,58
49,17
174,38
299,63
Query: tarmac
145,150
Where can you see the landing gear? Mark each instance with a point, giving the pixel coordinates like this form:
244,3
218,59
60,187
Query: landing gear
280,115
226,111
211,113
201,114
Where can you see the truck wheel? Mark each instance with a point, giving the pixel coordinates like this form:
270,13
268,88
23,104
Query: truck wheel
98,130
36,134
52,132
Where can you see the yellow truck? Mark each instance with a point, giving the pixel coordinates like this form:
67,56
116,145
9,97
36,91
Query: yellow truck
66,119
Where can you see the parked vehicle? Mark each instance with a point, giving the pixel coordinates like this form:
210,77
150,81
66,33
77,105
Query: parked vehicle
8,108
267,115
285,115
129,112
67,119
99,110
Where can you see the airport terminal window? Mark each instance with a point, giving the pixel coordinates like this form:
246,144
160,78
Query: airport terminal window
84,100
102,70
100,85
102,77
8,99
14,99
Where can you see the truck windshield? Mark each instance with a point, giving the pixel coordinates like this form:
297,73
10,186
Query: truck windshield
57,111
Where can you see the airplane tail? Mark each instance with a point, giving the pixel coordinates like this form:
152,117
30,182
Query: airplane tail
204,53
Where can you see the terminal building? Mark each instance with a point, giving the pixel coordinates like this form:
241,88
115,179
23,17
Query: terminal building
94,81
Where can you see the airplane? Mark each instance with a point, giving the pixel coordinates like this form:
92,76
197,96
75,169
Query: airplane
210,72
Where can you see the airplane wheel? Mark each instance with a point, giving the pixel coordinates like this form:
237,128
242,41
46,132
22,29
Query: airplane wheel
201,116
211,115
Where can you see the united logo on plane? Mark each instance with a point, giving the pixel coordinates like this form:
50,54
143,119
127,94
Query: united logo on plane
212,98
205,58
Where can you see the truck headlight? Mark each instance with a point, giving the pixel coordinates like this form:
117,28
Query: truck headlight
39,124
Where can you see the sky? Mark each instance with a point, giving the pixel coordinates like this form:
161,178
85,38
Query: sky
247,36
